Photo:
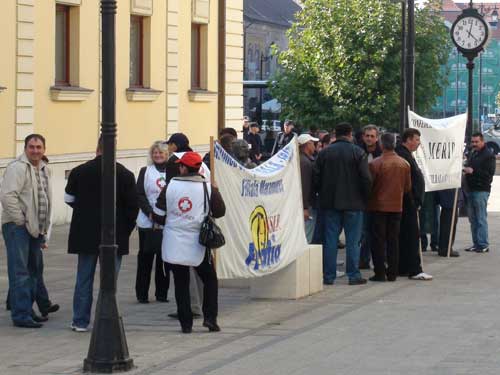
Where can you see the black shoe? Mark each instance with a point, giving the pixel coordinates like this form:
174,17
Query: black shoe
483,250
211,325
377,278
325,282
341,245
434,248
143,300
472,248
359,281
391,278
51,309
39,319
162,299
28,324
364,265
453,254
176,316
187,329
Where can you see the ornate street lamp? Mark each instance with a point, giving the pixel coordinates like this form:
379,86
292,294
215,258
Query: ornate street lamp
108,351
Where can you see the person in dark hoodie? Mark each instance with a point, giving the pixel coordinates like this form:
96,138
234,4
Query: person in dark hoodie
409,236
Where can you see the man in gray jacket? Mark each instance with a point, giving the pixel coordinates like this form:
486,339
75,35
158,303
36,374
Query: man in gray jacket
26,200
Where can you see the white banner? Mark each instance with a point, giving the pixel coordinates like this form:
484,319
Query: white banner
441,150
264,221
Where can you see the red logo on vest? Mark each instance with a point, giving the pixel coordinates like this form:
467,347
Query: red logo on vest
185,205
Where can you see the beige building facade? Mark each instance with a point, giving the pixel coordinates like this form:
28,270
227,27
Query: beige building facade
179,68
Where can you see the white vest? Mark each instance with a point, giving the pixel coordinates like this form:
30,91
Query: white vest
154,181
185,215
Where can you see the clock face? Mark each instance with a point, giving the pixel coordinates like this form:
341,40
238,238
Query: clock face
469,33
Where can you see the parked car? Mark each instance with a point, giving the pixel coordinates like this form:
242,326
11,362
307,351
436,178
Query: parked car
492,138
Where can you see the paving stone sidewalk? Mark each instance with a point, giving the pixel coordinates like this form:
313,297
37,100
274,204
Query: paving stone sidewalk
450,325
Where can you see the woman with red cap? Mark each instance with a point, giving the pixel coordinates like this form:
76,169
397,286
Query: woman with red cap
182,209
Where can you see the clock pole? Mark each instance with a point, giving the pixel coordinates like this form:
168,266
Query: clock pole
470,99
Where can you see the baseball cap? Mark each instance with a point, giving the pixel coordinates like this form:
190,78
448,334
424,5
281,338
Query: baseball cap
179,139
190,159
304,138
254,125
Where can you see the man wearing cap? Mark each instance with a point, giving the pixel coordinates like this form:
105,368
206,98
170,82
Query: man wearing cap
306,150
182,211
255,142
284,137
178,142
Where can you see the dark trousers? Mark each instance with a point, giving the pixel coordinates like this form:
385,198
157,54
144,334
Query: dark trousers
385,243
409,237
445,228
145,261
208,276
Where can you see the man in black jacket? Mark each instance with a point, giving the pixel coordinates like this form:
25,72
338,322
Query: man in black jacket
373,150
479,172
83,194
409,236
284,137
342,178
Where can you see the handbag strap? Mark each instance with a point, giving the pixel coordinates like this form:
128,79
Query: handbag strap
206,200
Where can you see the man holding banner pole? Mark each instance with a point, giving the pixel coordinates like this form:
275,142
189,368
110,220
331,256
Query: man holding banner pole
479,171
410,262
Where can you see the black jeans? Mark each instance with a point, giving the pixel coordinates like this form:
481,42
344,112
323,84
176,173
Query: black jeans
409,238
208,276
145,261
445,228
385,239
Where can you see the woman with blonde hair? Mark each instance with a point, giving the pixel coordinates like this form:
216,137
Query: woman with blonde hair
150,183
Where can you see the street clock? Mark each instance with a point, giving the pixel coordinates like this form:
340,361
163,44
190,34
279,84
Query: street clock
470,32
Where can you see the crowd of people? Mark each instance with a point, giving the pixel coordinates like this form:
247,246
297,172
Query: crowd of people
372,190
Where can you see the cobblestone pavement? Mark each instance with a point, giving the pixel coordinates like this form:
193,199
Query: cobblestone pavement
450,325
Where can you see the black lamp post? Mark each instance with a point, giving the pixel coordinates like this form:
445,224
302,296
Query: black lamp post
108,351
402,87
410,56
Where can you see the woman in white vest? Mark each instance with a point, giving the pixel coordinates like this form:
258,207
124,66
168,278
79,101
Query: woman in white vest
182,209
150,183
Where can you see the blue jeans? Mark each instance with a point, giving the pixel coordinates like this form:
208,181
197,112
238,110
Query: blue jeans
41,295
477,202
334,222
83,297
310,224
23,264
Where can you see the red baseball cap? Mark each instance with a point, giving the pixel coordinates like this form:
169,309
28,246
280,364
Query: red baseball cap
190,159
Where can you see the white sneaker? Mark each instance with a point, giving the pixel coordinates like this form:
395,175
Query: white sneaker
422,276
78,329
340,274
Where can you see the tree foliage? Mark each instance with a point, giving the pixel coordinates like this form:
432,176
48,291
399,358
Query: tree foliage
343,62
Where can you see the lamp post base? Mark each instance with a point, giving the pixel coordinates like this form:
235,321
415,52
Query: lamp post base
108,352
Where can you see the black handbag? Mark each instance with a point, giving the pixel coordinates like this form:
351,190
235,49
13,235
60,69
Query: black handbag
210,233
153,239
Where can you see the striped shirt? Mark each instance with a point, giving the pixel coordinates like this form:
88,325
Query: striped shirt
42,180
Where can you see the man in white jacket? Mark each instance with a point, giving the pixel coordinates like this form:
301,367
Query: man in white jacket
26,200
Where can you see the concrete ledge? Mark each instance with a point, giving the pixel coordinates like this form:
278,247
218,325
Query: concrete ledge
302,278
234,283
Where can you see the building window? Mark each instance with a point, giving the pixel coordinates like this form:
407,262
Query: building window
62,45
196,56
136,51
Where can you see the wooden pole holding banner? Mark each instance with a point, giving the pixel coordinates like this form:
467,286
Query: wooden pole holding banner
452,226
212,179
212,160
419,241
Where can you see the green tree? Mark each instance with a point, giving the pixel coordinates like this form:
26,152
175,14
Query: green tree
343,62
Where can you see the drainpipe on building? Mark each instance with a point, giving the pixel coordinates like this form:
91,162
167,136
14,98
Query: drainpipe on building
221,123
